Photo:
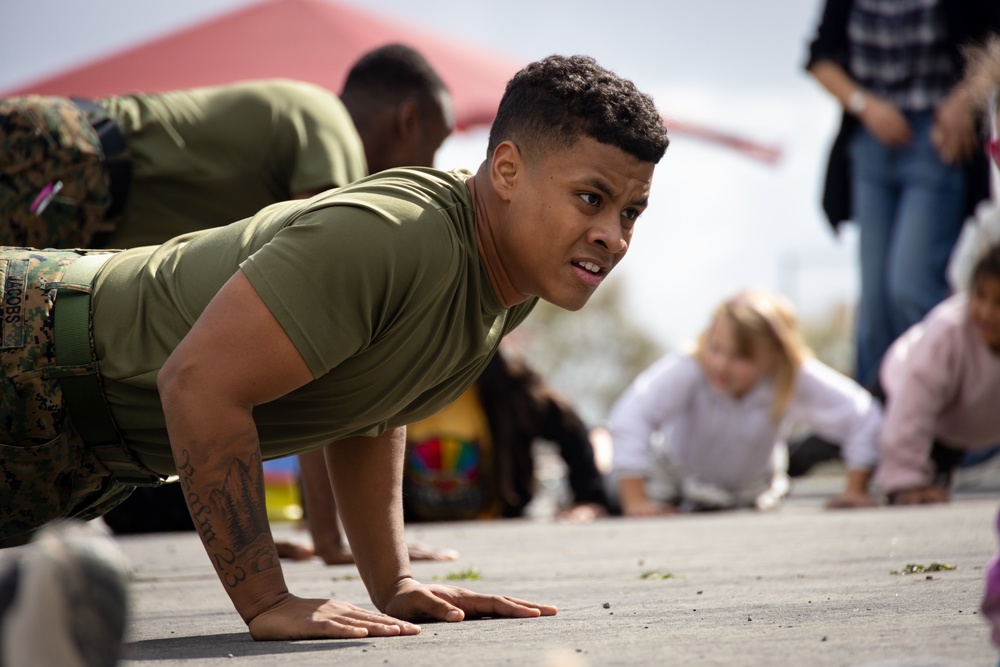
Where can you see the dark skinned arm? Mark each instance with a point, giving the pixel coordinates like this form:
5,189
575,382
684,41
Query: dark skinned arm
235,357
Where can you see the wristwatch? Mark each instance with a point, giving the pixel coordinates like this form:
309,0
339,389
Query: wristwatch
857,102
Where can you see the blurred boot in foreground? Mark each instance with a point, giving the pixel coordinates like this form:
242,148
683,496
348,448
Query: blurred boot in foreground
63,599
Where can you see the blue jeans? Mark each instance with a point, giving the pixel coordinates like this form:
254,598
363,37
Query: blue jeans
909,207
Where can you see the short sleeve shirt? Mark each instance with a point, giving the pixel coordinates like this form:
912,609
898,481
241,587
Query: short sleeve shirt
379,285
207,157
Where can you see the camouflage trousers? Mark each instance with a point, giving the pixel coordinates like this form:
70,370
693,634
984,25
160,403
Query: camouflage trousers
46,469
54,189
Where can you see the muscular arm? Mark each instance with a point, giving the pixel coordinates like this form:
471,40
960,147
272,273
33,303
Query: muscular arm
235,357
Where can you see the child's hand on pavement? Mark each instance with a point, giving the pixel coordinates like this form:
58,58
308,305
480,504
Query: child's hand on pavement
851,500
926,495
416,601
648,508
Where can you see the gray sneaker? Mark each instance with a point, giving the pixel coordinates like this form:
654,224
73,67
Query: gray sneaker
62,601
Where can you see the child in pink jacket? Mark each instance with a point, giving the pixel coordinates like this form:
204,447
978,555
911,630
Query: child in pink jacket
942,383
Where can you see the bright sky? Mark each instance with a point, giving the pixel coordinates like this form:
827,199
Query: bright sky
717,221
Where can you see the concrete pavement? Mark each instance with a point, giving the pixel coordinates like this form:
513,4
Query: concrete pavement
796,586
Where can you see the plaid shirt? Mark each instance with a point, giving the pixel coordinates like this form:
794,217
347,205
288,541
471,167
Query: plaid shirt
898,51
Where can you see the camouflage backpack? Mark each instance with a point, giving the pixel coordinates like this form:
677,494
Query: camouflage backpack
54,189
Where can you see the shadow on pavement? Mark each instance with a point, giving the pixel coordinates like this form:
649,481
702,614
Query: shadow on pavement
232,645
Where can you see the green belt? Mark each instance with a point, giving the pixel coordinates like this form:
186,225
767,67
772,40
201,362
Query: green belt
80,377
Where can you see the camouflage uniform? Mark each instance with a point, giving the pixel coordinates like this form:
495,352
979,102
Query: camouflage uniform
46,470
54,189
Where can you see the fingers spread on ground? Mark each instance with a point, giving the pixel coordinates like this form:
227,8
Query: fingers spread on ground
381,624
498,605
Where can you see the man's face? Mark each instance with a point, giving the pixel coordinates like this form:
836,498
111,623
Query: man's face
570,219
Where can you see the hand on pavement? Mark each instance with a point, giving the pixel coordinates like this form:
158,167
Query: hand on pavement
851,500
926,495
412,600
300,618
649,508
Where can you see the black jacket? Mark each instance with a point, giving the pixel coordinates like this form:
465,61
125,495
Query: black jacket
968,21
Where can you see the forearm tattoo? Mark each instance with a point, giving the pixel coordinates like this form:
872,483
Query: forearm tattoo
237,509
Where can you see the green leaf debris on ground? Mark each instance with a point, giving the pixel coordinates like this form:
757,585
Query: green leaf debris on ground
914,568
655,574
463,575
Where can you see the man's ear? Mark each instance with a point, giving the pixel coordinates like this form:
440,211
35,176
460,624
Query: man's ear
408,119
506,169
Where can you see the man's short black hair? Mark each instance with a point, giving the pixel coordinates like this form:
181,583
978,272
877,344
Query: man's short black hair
392,72
556,100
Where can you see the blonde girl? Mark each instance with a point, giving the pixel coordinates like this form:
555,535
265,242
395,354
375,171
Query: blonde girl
721,411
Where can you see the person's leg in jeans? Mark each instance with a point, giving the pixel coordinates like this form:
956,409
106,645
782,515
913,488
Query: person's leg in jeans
978,457
875,194
929,220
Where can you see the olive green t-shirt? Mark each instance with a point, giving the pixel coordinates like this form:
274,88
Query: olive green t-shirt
379,285
207,157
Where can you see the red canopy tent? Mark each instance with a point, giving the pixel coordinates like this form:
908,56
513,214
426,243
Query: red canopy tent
309,40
